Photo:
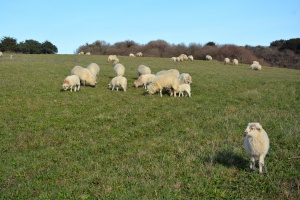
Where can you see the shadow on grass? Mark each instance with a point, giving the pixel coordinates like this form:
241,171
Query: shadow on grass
231,159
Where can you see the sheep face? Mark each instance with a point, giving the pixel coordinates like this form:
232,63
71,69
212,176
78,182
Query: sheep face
151,89
252,129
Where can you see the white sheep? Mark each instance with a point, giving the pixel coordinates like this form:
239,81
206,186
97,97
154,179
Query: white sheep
119,69
81,53
256,143
118,81
86,77
208,57
131,55
94,68
255,62
226,61
184,88
174,72
71,82
174,59
142,69
183,57
235,61
190,57
144,80
185,78
139,54
1,54
178,59
255,67
88,53
113,58
164,82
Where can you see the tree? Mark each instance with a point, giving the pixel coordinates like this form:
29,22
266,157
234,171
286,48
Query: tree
48,48
210,44
30,46
8,44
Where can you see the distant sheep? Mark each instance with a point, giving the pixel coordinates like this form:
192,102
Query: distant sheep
85,75
94,69
119,69
164,82
185,78
255,67
1,54
139,54
183,57
178,59
131,55
142,69
144,80
235,62
208,57
113,58
184,88
226,61
256,143
88,53
118,81
81,53
190,57
71,82
174,59
174,72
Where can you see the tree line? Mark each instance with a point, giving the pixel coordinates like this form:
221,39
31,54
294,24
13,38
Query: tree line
9,44
280,53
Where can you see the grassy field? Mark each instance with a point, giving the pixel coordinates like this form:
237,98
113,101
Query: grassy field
103,144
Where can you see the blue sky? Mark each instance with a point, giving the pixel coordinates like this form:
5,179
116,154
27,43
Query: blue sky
70,23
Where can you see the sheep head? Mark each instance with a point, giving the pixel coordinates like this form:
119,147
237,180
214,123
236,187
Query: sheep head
252,129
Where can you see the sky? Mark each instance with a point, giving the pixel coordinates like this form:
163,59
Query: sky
68,24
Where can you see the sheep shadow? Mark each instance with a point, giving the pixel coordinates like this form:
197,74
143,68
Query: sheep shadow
230,159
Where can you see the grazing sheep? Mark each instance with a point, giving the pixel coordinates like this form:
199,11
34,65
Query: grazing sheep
119,69
255,67
178,59
118,81
174,59
174,72
86,77
142,69
1,54
131,55
255,62
185,78
226,61
139,54
144,80
256,144
184,88
81,53
235,62
183,57
113,58
94,68
190,57
71,82
208,57
88,53
164,82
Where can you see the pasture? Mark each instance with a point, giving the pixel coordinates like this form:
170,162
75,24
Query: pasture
103,144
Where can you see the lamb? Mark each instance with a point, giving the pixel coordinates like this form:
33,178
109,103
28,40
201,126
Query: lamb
190,57
94,69
131,55
174,72
235,62
164,82
1,54
185,78
142,69
119,69
184,88
144,79
71,82
208,57
113,58
139,54
255,66
118,81
226,61
256,143
85,76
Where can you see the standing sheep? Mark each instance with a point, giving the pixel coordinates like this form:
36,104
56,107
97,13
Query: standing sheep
119,69
184,88
88,53
255,66
190,57
118,81
94,69
256,143
164,82
174,72
235,62
86,77
1,54
174,59
208,57
131,55
144,79
226,61
185,78
142,69
113,58
139,54
71,82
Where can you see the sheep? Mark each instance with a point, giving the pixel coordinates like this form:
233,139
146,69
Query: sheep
208,57
131,55
255,67
81,53
174,59
71,82
118,81
164,82
226,61
183,57
88,53
190,57
94,69
86,77
144,79
1,54
184,88
139,54
255,62
256,143
178,59
142,69
119,69
185,78
235,62
174,72
113,58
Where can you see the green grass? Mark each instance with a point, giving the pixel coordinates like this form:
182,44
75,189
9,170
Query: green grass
103,144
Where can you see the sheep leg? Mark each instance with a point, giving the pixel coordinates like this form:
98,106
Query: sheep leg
252,163
71,88
160,91
78,87
261,163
